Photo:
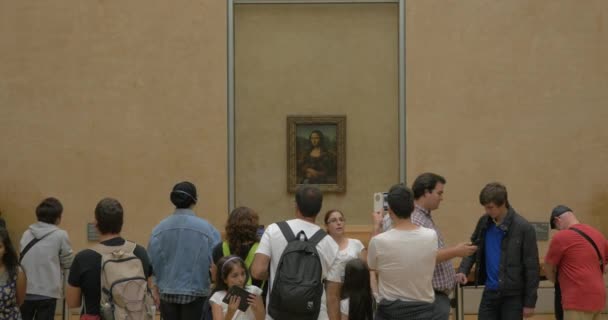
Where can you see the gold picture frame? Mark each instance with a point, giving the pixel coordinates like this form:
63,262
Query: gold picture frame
316,152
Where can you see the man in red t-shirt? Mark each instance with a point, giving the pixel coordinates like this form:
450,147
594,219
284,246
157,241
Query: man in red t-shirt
577,264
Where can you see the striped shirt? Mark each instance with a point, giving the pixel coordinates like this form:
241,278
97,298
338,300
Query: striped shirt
444,277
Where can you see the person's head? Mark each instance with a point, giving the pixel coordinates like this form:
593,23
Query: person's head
49,211
493,197
356,288
356,277
335,222
109,216
400,201
428,190
231,271
10,260
242,228
316,138
183,195
309,200
560,217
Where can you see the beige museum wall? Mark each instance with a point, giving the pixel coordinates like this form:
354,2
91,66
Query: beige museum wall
118,99
107,99
307,60
512,91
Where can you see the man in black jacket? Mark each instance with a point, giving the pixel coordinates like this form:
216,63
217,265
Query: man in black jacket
506,261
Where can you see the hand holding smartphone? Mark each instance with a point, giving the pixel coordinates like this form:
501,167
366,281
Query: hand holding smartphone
239,292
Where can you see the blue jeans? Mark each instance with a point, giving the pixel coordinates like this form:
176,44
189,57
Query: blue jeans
495,306
38,309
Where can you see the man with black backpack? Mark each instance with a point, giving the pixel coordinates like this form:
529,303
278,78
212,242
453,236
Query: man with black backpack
305,273
577,252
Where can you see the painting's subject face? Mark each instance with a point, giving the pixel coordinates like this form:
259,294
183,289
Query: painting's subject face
315,139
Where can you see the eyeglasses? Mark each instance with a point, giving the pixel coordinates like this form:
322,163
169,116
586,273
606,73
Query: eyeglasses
334,220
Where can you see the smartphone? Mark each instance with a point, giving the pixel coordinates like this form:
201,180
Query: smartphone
260,230
240,292
380,202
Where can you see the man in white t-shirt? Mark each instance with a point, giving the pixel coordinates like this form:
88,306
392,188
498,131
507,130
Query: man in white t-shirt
404,260
308,204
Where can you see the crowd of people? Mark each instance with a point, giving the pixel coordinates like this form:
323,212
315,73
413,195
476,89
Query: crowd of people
295,269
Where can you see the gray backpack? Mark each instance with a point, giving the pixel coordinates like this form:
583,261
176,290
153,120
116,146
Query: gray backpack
124,287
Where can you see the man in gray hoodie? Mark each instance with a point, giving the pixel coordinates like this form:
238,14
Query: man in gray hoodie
45,253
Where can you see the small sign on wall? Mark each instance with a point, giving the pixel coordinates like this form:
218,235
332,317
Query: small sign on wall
92,234
542,230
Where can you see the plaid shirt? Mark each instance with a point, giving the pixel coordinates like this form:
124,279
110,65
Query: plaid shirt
444,277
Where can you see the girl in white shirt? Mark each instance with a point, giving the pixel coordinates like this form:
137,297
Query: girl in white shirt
233,272
357,299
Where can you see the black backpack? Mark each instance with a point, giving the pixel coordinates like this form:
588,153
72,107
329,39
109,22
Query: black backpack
298,284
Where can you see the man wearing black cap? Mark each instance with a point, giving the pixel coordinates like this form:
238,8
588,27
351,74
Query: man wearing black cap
180,253
577,253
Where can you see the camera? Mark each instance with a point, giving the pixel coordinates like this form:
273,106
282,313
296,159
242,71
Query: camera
380,203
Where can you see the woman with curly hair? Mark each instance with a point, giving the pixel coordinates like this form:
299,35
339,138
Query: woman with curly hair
242,239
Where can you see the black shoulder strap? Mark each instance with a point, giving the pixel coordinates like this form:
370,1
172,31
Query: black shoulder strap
286,230
599,256
317,237
30,245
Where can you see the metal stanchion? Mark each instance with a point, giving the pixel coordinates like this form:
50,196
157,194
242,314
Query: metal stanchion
459,293
64,308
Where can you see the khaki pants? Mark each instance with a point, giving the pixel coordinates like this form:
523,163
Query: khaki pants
583,315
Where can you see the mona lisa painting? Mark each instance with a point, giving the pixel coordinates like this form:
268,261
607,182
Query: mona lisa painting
316,152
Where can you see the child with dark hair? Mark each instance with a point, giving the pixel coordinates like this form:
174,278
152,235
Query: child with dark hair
357,299
12,279
232,271
48,253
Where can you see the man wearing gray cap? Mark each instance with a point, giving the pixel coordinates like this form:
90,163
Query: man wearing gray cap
577,254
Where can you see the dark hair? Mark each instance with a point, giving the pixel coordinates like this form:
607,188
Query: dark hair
183,195
328,214
109,216
309,200
401,200
242,228
49,210
321,139
495,193
357,289
224,267
426,182
10,258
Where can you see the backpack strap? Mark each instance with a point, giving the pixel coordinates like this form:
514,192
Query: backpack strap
249,259
31,244
127,247
599,256
286,230
225,248
317,237
251,254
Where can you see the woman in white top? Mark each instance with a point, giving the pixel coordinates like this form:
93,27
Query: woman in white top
232,271
349,248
